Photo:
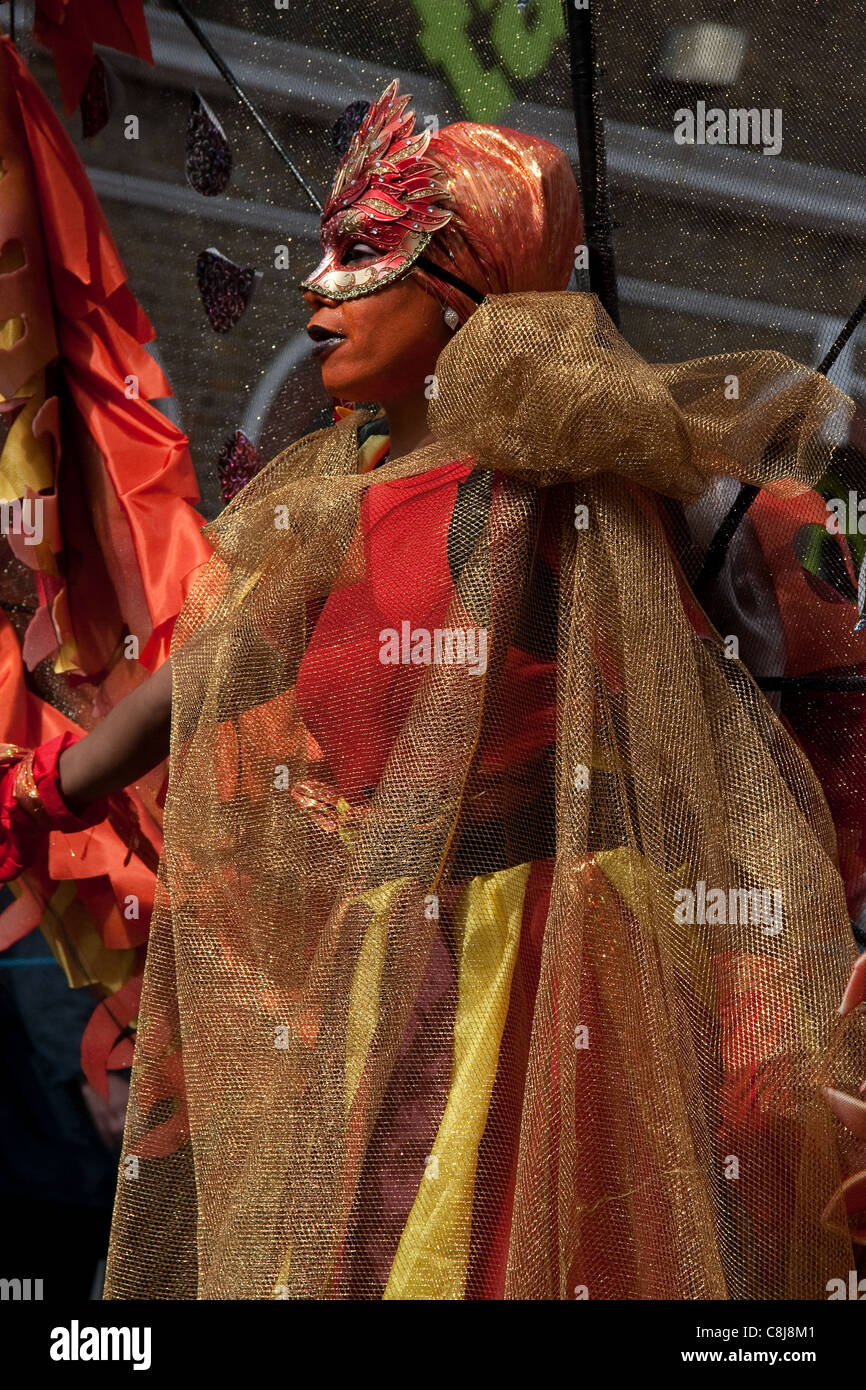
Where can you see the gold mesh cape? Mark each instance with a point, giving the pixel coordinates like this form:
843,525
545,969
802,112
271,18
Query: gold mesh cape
525,1017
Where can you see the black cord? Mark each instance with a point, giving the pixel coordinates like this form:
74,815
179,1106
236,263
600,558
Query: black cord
843,337
449,278
192,24
589,125
720,544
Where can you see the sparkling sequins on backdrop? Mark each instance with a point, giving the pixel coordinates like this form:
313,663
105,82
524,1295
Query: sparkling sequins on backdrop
208,169
101,96
208,151
239,462
226,288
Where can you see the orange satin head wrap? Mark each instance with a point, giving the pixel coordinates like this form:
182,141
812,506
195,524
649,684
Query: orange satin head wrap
517,213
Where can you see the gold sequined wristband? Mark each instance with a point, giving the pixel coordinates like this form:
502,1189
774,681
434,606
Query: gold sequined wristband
27,795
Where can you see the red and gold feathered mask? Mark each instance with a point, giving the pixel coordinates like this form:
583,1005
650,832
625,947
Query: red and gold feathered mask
385,196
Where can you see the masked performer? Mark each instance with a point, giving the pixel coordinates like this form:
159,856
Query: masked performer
500,931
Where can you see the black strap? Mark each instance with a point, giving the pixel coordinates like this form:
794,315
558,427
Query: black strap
454,280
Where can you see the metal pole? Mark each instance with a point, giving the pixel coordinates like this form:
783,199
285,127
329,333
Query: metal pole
589,123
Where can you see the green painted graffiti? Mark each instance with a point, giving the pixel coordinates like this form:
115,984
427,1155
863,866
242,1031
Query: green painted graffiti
522,43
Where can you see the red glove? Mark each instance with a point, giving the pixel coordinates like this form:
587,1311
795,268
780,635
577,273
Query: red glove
31,804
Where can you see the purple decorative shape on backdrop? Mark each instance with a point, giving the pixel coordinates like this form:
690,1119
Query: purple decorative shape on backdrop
226,289
95,103
239,461
208,152
346,124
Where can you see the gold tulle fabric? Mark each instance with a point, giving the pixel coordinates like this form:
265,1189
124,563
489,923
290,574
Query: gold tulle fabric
287,958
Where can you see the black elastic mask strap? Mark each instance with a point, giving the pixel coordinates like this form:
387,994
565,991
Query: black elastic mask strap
454,280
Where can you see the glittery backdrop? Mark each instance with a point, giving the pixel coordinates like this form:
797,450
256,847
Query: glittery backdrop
717,246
